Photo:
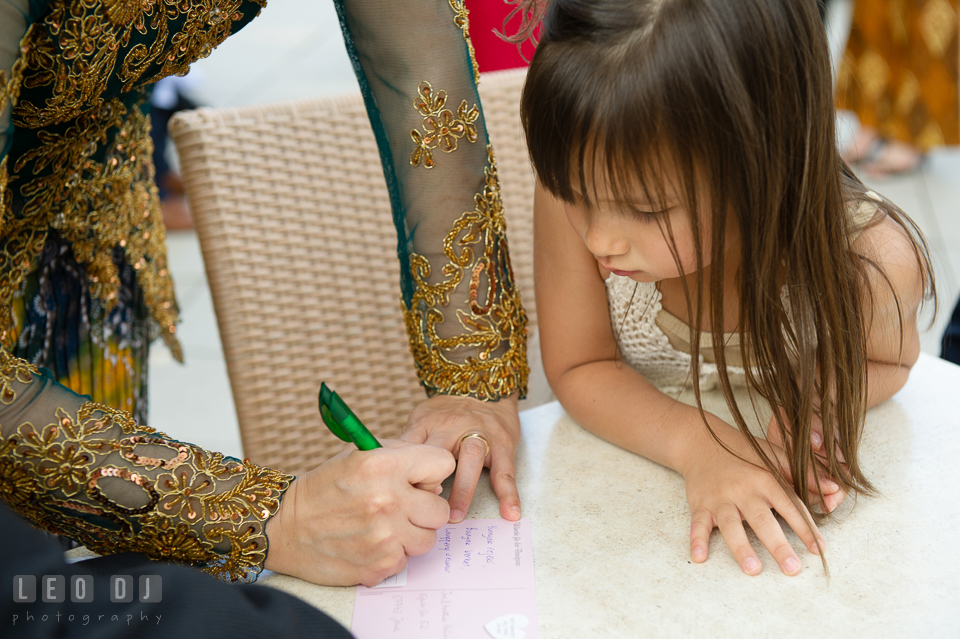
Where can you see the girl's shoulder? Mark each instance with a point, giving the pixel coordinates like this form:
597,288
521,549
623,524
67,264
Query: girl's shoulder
894,256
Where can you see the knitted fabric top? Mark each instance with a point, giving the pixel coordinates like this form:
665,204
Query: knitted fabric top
644,345
647,334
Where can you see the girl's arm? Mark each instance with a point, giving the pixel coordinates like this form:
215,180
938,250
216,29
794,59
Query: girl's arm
891,304
614,401
896,292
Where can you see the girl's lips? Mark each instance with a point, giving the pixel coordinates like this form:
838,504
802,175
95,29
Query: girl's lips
624,273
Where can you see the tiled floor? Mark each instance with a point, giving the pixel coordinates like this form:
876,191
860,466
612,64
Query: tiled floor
294,50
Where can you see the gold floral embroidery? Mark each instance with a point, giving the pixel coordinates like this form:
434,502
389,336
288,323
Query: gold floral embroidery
441,128
80,163
165,538
17,484
164,498
64,467
95,205
462,20
247,544
13,369
184,491
85,47
471,363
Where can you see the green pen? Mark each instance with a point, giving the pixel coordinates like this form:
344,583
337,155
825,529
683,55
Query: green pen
342,422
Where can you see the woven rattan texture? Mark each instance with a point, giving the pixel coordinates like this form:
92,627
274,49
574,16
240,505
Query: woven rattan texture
294,221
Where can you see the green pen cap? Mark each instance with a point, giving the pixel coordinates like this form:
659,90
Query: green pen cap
342,422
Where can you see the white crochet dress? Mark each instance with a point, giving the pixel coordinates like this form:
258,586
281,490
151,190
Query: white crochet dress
646,348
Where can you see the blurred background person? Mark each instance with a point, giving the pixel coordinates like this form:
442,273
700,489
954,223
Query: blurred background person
170,96
899,76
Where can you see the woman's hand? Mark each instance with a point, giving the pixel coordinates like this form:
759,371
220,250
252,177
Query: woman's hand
724,491
443,420
360,515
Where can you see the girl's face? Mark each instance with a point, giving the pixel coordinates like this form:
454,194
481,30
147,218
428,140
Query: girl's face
631,238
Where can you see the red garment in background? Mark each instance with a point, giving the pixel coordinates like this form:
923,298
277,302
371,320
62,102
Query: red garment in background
493,54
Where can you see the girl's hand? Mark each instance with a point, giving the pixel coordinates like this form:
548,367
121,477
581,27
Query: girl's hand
724,491
833,495
443,420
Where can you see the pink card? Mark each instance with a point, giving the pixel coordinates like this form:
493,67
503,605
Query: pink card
476,583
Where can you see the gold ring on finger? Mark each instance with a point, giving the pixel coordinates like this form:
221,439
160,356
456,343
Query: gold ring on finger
474,436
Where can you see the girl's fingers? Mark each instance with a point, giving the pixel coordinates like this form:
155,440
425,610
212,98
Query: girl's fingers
768,530
731,527
827,485
830,502
796,521
816,438
700,531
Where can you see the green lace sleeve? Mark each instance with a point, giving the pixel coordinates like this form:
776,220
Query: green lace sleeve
416,68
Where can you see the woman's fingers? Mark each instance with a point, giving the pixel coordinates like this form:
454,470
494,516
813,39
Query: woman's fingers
426,510
503,479
448,422
470,462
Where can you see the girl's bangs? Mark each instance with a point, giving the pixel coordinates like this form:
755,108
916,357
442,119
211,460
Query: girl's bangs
576,125
581,112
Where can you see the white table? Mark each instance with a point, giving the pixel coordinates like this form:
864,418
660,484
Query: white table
611,538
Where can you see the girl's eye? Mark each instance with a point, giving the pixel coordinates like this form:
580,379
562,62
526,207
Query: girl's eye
647,217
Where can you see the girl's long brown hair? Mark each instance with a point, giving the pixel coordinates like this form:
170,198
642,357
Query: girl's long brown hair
738,95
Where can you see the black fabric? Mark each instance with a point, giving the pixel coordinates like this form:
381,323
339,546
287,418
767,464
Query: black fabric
193,603
951,338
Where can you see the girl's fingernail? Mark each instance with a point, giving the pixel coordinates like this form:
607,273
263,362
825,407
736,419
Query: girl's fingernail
751,566
699,553
456,516
791,566
830,485
817,439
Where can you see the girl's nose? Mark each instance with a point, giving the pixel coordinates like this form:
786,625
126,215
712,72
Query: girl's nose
603,240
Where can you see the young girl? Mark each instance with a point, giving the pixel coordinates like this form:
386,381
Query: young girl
696,228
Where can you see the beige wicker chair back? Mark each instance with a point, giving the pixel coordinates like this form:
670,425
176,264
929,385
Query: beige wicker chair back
295,225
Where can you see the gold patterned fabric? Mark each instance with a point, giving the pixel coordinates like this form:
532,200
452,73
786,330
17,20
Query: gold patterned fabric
77,176
493,322
80,156
78,171
899,73
93,474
